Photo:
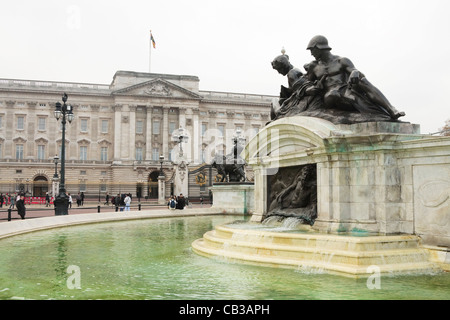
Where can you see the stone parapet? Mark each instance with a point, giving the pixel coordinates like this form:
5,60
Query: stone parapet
233,197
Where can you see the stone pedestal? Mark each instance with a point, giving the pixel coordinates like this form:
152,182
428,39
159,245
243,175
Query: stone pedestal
233,197
162,190
181,179
55,187
384,178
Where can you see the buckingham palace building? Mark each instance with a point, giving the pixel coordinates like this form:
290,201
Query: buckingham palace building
122,134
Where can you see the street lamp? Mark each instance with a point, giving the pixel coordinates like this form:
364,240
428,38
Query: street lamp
180,136
65,113
238,140
55,160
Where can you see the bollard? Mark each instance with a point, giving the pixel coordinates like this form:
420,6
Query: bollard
139,206
98,209
9,214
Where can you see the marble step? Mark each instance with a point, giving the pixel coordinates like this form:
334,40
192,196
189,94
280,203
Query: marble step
344,255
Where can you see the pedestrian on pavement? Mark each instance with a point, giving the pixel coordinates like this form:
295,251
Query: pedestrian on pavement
47,199
20,204
70,201
82,198
107,199
13,201
127,201
78,199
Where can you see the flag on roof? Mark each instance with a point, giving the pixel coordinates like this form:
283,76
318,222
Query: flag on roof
152,39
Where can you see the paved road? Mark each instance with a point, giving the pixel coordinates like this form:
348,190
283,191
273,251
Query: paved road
38,210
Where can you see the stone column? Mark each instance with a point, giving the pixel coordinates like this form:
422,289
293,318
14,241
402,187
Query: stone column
117,132
161,189
165,133
55,187
182,117
195,137
148,145
132,138
260,194
181,180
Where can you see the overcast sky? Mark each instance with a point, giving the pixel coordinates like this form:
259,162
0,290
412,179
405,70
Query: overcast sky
401,46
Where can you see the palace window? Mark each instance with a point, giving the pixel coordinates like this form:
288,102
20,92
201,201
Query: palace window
84,125
155,127
172,126
20,123
139,154
41,124
221,129
104,154
19,151
204,128
41,152
139,127
155,154
83,153
105,125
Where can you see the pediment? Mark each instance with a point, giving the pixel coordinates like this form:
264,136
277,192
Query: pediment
157,88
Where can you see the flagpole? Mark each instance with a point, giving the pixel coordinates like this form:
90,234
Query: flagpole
150,53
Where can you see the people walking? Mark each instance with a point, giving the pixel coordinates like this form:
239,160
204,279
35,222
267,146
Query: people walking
70,200
82,198
13,201
47,199
78,199
20,204
107,199
127,201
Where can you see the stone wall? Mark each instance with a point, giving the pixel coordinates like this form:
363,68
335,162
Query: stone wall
381,177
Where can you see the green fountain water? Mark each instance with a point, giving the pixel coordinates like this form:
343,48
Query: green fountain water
153,259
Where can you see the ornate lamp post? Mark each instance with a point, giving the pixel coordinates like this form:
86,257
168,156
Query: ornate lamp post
161,183
181,183
55,160
65,113
55,180
180,136
238,140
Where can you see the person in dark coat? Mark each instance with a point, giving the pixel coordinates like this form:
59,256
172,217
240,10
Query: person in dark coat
20,205
181,202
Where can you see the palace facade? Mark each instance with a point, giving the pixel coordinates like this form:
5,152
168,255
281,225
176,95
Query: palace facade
119,133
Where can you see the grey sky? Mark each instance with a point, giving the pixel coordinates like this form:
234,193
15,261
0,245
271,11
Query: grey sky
401,46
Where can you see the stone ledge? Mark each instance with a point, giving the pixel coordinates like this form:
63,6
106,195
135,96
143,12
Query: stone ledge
9,229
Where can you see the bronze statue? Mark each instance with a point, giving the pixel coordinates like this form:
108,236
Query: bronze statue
345,86
293,193
301,95
231,167
332,89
